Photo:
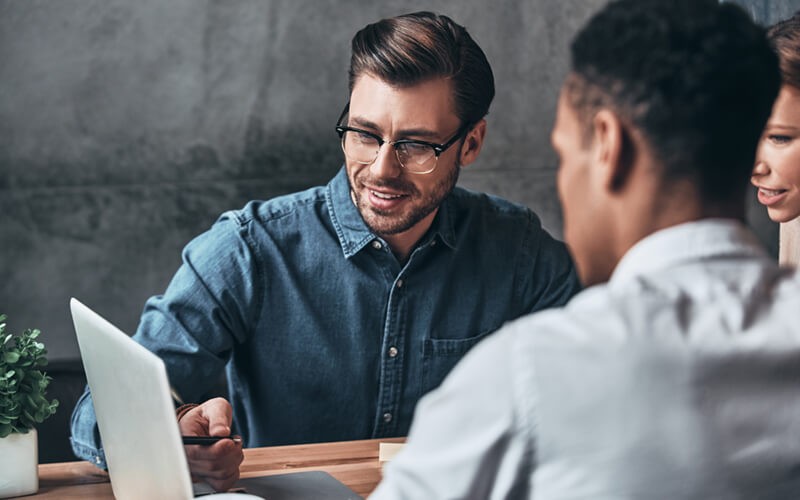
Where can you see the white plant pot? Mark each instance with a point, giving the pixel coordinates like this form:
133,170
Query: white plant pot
19,459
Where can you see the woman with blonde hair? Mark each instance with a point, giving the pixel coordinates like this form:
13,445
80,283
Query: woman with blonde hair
777,170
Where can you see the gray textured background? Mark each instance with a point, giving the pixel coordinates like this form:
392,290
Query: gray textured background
126,128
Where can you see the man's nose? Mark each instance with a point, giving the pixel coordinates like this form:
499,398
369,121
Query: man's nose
386,163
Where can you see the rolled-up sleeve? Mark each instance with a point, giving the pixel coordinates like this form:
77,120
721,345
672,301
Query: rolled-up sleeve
85,438
192,327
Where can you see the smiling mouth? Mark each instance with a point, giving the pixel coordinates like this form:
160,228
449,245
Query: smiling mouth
771,192
770,196
386,196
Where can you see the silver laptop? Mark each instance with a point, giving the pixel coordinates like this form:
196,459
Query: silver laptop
136,418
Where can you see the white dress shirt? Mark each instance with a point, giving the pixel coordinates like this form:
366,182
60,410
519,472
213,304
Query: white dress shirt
679,378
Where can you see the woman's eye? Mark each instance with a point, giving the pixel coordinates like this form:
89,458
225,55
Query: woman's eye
779,139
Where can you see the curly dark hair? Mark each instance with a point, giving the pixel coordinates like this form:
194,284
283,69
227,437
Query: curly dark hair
697,78
416,47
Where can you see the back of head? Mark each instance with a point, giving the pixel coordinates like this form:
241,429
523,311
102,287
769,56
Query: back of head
695,77
410,49
785,36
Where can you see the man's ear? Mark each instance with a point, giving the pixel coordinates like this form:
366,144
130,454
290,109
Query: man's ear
473,143
612,149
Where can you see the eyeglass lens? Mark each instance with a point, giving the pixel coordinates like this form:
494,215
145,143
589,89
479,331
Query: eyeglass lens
364,148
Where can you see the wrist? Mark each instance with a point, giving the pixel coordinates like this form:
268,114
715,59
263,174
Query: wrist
184,409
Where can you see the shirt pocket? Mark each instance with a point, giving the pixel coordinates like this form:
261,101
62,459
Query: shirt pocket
439,356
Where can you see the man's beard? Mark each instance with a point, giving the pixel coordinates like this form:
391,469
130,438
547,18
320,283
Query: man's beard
383,223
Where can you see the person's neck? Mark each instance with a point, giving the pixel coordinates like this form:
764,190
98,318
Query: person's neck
666,207
402,244
789,243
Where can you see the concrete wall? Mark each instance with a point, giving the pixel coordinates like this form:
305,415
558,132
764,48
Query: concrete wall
126,128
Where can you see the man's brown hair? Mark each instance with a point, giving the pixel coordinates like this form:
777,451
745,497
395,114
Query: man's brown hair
412,48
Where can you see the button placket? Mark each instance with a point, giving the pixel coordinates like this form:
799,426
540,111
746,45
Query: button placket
392,361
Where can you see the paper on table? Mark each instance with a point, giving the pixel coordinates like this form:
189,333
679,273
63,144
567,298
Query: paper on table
387,451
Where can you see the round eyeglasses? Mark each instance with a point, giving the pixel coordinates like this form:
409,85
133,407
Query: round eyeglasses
419,157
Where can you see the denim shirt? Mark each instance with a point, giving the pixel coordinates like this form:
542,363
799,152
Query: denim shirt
323,333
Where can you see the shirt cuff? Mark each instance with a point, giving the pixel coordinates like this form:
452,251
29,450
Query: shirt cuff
184,409
89,453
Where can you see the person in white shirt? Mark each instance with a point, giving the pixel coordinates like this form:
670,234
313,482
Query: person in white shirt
675,373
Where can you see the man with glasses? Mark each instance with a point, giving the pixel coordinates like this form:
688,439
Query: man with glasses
335,309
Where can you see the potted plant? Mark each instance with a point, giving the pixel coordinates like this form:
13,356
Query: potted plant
22,405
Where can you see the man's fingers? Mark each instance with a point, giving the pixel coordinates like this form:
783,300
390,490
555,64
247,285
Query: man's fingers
218,465
222,455
224,449
218,413
222,484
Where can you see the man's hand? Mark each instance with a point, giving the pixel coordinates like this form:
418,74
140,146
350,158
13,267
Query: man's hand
218,464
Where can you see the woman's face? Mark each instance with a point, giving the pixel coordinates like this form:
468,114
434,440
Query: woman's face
777,170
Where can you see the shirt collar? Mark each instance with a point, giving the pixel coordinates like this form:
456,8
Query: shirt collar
354,234
691,241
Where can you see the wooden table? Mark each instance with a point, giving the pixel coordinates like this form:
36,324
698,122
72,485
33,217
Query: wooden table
355,463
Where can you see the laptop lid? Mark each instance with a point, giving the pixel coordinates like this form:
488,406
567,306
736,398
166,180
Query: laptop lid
135,414
141,438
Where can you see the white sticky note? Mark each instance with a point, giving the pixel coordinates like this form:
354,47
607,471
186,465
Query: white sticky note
387,451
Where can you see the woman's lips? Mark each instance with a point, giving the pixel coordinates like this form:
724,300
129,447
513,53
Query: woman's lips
768,196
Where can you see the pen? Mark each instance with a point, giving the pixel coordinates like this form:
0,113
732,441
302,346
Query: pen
175,396
208,440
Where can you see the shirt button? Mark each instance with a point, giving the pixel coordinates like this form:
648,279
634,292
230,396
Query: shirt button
97,460
376,245
387,417
400,283
433,243
393,351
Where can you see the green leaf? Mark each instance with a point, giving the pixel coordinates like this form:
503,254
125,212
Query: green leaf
31,401
27,416
23,401
11,357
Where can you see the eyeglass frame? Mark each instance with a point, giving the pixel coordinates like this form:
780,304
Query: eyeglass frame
438,149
